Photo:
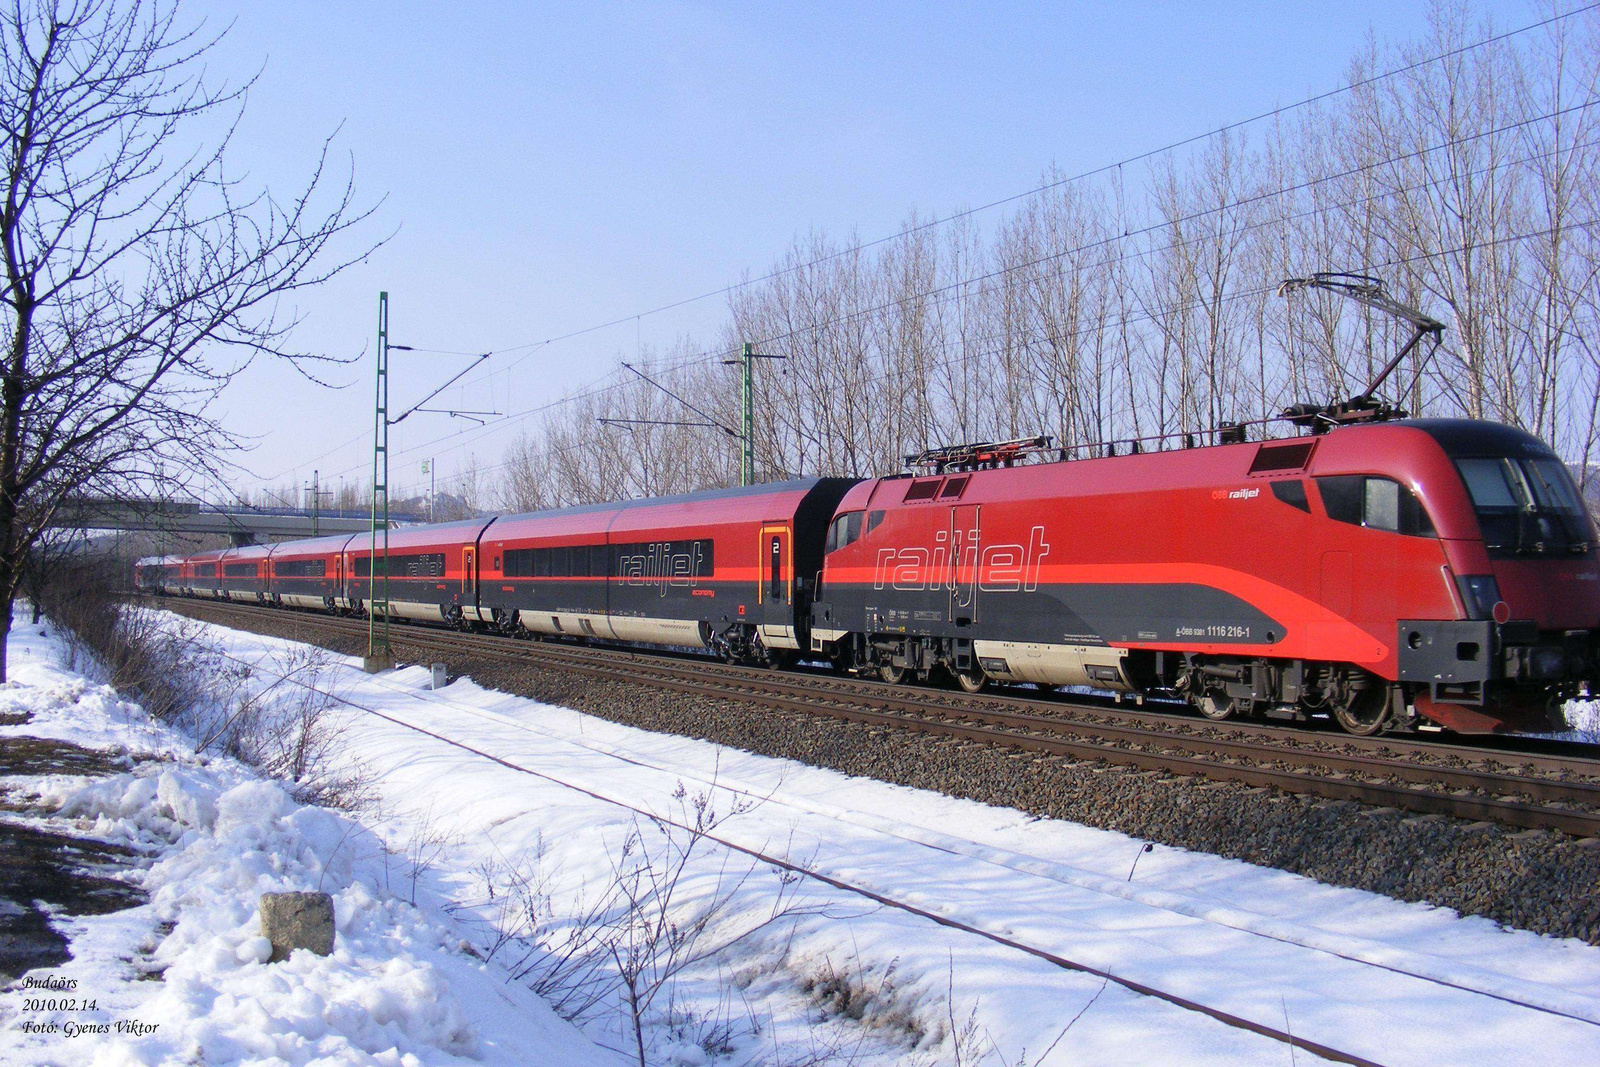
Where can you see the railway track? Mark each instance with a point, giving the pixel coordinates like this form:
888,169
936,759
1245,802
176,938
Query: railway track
1508,783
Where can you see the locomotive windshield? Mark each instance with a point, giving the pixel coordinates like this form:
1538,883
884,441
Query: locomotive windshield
1526,506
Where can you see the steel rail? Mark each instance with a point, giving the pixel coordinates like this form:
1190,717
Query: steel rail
783,862
1060,737
1177,722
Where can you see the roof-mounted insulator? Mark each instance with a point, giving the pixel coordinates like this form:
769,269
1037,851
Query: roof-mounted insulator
979,455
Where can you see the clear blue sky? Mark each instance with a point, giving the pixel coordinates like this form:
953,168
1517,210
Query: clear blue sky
553,166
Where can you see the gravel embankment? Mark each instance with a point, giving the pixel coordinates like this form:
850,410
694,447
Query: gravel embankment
1533,880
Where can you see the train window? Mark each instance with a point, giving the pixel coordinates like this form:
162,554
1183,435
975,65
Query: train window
239,570
953,487
301,568
647,561
1552,484
598,558
420,565
519,563
1493,483
1376,503
424,565
1414,520
560,562
578,561
922,489
1343,497
1291,491
1382,511
845,530
775,566
874,518
1526,506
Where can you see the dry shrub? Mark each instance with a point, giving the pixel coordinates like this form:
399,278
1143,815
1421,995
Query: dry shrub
290,727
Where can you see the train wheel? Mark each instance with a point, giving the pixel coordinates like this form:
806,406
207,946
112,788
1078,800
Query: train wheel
1365,713
971,681
1214,707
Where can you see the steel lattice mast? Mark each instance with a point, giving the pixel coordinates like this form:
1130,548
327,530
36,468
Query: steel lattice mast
379,655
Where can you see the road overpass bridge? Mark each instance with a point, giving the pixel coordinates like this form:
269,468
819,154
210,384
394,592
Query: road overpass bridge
244,525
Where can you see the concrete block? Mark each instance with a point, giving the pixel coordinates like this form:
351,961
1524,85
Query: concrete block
297,920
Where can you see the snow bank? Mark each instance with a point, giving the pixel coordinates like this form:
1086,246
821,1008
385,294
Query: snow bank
398,988
504,852
1400,983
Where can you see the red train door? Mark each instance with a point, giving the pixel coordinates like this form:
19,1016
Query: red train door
468,558
964,557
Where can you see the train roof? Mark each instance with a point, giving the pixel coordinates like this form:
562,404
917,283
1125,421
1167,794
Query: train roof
330,544
768,500
460,532
1479,437
737,492
1395,447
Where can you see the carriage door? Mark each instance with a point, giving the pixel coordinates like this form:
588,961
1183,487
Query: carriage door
775,587
468,557
773,590
963,570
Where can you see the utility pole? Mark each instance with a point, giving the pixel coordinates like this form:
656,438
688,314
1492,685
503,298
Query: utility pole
379,656
316,502
747,473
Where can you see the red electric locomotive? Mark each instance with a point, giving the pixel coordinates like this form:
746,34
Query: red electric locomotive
1433,569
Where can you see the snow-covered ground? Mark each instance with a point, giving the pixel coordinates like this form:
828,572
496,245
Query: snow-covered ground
516,853
398,989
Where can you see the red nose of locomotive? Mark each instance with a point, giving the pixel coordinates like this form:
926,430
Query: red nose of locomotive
1534,587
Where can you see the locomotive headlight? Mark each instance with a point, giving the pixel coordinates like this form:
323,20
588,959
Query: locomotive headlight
1479,593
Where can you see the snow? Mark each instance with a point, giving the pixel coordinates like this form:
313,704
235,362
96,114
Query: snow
1583,721
573,800
398,988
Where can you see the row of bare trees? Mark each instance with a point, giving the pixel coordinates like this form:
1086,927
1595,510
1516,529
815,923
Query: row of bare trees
1144,301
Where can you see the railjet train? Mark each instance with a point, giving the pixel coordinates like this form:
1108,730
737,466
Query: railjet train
1387,574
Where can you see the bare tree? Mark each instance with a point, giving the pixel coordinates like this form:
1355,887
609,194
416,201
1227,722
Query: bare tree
1461,167
139,275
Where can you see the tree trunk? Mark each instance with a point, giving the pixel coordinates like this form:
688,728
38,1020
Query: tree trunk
6,601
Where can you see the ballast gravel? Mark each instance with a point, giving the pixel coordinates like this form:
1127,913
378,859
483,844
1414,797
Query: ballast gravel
1533,880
